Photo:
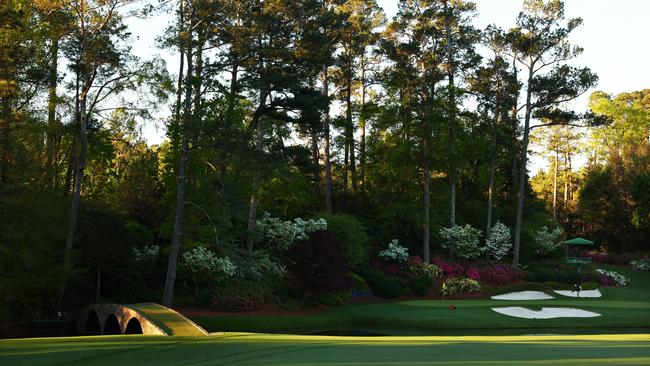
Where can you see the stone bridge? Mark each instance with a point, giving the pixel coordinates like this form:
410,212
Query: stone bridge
147,318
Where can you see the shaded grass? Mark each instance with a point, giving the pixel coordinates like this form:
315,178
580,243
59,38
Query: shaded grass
258,349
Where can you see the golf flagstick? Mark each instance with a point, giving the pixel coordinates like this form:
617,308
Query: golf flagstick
444,288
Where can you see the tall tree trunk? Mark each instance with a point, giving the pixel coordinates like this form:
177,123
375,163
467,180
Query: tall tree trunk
522,171
51,111
493,145
78,178
570,175
198,72
426,176
557,161
566,178
326,149
252,212
72,160
515,125
452,117
362,126
350,130
170,279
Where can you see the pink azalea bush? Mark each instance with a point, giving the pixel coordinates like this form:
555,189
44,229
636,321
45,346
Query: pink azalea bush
495,272
596,256
473,273
500,274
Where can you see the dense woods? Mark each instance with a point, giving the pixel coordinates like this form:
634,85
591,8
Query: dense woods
286,118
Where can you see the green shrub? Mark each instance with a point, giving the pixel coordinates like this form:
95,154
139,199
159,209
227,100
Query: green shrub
549,274
352,234
419,286
240,297
425,270
516,288
358,283
288,304
330,299
382,284
460,285
569,287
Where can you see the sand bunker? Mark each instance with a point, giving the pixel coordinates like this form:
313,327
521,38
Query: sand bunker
583,293
523,295
545,313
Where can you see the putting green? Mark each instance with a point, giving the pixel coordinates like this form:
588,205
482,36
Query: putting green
261,349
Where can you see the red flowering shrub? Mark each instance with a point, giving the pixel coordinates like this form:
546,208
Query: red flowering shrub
473,273
595,256
499,274
495,273
449,269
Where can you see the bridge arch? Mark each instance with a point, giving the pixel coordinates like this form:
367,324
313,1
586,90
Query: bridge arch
92,326
112,325
133,327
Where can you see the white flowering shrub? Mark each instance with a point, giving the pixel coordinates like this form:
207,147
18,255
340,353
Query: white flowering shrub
395,252
202,263
547,240
256,265
304,227
498,243
618,278
283,234
641,265
145,255
462,241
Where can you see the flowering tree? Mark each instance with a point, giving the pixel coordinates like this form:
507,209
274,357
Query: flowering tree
548,241
202,263
462,241
395,252
498,243
282,234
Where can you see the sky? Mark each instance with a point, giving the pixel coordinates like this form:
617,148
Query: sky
614,35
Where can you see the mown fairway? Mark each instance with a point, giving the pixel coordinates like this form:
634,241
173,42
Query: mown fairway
257,349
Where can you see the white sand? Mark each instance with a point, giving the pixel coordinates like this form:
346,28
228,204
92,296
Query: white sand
523,295
545,313
583,293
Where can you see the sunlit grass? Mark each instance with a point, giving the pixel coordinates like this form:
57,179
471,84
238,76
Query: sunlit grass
274,349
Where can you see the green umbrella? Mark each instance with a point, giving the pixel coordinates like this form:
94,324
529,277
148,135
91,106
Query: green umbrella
579,241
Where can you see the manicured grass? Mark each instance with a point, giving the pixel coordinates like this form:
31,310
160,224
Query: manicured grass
167,320
624,307
260,349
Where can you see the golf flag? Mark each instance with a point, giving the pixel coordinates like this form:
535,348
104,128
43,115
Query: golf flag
444,286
